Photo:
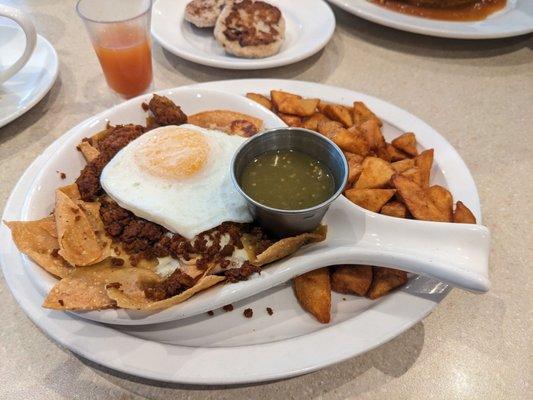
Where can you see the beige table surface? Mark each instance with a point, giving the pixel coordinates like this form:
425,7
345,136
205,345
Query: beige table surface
479,95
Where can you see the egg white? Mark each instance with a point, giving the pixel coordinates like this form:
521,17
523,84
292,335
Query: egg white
187,206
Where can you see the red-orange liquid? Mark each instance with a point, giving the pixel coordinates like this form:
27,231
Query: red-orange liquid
126,59
477,11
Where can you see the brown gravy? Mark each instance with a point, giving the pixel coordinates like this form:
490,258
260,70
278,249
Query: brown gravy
474,12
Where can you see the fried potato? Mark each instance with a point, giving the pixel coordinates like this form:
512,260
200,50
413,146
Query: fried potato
38,240
395,154
78,243
403,165
385,280
424,161
417,200
394,209
442,198
259,98
312,122
462,215
415,175
89,152
362,113
287,246
230,122
350,141
372,133
355,167
338,113
313,291
288,103
370,199
406,143
351,279
376,174
291,120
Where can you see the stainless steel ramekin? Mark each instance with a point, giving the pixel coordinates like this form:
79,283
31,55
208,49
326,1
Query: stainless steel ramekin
291,222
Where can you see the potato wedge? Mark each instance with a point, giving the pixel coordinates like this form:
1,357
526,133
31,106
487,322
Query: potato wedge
394,209
371,199
395,154
313,291
329,128
355,166
462,215
259,98
443,199
372,133
348,140
312,122
424,161
351,279
406,143
417,200
362,113
403,165
415,175
291,120
376,174
385,280
338,113
288,103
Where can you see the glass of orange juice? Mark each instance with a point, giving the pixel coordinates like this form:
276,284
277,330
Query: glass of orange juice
120,34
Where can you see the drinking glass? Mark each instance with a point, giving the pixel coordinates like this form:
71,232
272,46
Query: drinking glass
120,34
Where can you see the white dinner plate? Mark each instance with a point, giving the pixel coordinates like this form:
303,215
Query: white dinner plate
218,349
23,90
308,30
514,20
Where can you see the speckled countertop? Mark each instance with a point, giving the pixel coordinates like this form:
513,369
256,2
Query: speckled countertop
478,94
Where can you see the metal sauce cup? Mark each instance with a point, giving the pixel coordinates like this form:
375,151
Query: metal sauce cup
291,222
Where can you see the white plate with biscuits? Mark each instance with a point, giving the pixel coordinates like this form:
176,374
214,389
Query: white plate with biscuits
306,31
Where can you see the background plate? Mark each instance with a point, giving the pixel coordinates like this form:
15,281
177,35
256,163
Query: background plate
514,20
218,350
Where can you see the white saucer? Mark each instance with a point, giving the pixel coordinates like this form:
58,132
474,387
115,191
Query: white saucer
308,30
228,348
514,20
25,89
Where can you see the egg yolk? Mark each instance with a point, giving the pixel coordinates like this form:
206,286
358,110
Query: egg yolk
175,154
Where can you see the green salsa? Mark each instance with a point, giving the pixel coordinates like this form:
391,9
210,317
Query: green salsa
288,180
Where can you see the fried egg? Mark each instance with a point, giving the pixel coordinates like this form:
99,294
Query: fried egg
178,177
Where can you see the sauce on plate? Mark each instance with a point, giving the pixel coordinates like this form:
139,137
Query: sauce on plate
287,180
477,11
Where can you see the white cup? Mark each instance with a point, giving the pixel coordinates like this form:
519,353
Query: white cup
31,37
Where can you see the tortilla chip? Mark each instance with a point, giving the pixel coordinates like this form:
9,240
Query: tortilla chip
85,288
385,280
351,279
99,136
38,240
443,200
376,174
463,215
370,199
338,113
259,98
406,143
313,291
88,151
286,247
424,162
417,200
78,243
227,121
71,191
394,209
137,301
